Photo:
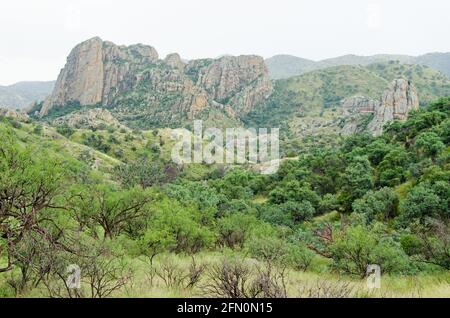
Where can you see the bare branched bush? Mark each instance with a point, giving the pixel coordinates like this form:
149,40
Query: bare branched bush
106,276
195,273
270,283
174,275
35,257
170,272
230,279
102,274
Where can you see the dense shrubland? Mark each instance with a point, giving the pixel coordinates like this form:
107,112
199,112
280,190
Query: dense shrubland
228,233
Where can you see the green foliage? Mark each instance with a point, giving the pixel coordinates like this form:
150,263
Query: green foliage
145,173
97,142
204,197
357,180
62,110
31,183
294,191
392,170
38,129
298,211
429,144
114,210
378,205
425,200
234,229
358,247
367,200
238,184
65,130
185,228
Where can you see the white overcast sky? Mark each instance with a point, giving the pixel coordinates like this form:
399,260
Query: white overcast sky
37,35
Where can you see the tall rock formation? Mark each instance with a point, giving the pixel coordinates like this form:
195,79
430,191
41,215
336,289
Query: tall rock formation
140,88
395,104
96,70
397,101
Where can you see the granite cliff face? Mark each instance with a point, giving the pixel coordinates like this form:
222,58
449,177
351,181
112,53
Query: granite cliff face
359,104
397,101
96,70
395,104
138,87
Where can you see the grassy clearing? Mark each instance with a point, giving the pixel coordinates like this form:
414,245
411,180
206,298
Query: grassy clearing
317,282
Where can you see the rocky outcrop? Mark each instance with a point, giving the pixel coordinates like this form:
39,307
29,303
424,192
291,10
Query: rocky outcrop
397,101
96,70
395,104
136,85
17,115
238,81
91,118
359,104
174,61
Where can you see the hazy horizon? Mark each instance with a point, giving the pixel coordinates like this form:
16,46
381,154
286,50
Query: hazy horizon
40,34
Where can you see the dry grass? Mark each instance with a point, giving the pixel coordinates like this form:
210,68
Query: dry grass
300,284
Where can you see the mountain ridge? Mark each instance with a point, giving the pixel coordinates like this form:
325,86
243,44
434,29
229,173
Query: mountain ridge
284,66
22,94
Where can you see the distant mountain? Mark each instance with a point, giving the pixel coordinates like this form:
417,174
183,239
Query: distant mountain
438,61
284,66
22,94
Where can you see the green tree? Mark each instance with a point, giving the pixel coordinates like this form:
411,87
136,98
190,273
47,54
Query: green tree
392,169
234,229
354,249
294,191
181,226
420,202
357,180
111,208
429,144
31,184
378,205
298,211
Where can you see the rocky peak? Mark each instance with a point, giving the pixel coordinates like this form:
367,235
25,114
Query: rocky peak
174,61
133,83
242,81
400,97
94,70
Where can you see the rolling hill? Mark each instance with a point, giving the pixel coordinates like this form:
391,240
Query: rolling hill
284,66
22,94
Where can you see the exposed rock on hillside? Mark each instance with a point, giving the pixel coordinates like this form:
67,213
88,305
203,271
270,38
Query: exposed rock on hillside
359,104
90,118
396,102
174,61
96,70
18,115
140,88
